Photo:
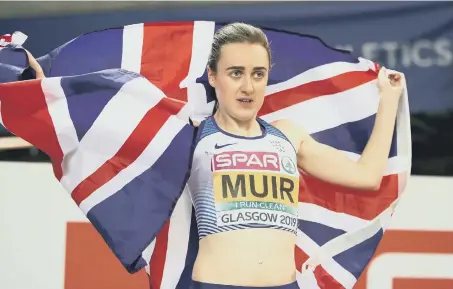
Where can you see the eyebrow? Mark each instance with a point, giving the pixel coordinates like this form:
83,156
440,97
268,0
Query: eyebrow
243,68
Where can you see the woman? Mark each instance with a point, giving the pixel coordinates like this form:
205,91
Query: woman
244,187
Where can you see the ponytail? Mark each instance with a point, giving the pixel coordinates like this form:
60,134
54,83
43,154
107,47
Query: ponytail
216,101
216,107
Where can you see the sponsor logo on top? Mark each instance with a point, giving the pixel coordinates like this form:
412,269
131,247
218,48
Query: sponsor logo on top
237,160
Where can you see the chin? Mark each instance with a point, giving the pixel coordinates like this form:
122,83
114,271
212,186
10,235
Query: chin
245,115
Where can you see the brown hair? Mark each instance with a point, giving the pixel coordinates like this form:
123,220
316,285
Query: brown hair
236,33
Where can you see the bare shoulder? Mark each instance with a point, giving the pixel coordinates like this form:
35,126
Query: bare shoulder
294,132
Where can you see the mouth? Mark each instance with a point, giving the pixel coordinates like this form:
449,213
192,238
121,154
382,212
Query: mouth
245,100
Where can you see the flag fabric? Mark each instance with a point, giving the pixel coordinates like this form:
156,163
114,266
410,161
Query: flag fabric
17,38
13,60
113,117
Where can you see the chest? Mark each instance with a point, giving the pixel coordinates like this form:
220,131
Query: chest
237,173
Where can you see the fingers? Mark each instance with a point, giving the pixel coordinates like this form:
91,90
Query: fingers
382,73
396,79
390,76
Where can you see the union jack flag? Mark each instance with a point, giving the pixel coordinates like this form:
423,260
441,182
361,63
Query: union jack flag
113,116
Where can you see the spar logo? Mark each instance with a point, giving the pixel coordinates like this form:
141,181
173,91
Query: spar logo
263,161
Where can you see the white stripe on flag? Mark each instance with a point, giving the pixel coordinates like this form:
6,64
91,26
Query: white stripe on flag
57,105
368,63
317,214
186,112
131,58
404,140
147,253
306,244
122,114
307,280
326,71
203,34
150,155
347,106
395,165
178,242
1,120
402,181
196,95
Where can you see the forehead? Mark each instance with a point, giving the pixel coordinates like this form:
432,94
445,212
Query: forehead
243,54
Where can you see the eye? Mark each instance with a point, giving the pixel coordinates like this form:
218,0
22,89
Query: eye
236,73
259,74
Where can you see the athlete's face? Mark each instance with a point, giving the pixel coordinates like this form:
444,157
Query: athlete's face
241,79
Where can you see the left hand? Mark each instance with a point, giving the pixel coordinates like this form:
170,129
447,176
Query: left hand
390,84
35,65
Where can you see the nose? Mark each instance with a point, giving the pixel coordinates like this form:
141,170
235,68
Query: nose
247,86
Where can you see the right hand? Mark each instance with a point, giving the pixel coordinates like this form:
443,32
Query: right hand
390,84
35,65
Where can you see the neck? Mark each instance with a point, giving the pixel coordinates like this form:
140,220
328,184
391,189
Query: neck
248,128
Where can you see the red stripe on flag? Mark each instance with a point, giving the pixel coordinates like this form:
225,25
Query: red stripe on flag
166,55
301,93
325,280
142,135
6,39
25,113
300,257
377,67
158,258
359,203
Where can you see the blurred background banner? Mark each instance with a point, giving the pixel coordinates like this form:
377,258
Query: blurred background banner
45,240
415,38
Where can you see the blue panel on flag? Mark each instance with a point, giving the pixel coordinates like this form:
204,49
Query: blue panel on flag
12,64
352,136
293,54
87,95
9,73
319,233
13,56
83,55
131,218
192,251
355,259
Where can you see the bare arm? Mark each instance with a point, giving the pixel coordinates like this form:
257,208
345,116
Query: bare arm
333,166
35,65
